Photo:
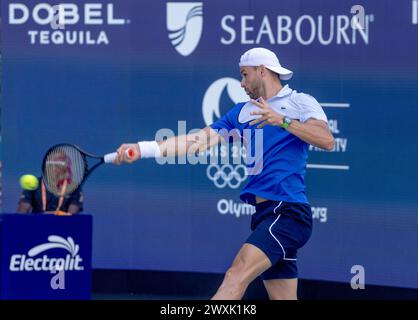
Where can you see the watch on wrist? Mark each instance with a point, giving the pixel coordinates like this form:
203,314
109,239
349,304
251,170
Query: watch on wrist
286,122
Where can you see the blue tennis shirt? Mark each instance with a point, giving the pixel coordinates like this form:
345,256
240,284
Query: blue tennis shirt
283,157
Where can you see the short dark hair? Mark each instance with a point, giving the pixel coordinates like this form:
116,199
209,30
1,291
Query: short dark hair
269,71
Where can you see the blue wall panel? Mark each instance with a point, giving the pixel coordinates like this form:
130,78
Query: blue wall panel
133,82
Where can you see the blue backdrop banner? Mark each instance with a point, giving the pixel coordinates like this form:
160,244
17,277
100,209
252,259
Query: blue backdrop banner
99,74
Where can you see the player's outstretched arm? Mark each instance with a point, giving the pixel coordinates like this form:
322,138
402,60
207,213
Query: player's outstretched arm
176,146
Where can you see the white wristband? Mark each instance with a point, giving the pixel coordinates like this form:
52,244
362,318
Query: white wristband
149,149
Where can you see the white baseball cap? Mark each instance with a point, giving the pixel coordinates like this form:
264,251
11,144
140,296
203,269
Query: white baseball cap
258,56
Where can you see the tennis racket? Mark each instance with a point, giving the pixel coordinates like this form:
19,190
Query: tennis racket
66,167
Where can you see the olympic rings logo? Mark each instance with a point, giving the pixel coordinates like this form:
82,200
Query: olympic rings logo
226,174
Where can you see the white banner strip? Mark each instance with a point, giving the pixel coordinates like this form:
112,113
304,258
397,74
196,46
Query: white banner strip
328,166
335,105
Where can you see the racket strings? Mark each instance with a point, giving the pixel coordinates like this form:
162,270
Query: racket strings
64,169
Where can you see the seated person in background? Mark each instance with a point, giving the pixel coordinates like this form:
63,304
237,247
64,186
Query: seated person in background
41,200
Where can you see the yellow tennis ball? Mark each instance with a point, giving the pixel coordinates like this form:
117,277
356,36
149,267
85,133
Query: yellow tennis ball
29,182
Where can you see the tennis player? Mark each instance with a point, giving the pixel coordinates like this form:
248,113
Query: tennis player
282,222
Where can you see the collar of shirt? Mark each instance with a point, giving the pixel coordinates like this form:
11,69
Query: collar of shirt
245,112
282,93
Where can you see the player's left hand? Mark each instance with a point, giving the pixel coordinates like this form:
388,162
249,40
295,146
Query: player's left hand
268,115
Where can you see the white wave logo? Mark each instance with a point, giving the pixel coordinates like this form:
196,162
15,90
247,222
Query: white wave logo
71,262
56,242
212,97
185,25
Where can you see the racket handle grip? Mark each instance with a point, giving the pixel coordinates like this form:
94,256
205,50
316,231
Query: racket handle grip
110,157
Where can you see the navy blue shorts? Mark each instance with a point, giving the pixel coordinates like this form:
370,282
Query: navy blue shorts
279,230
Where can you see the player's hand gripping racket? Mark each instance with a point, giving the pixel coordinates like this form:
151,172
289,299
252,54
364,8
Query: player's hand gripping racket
66,167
